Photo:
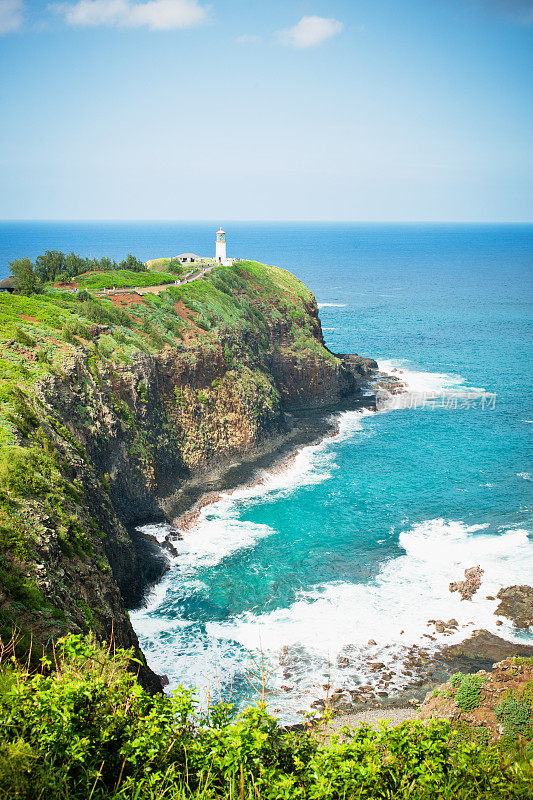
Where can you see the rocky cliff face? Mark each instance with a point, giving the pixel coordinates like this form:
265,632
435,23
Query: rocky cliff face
115,437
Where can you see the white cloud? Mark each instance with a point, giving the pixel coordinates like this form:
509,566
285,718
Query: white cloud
11,15
157,15
310,32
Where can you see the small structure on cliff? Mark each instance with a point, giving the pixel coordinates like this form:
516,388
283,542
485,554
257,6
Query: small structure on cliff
189,258
7,285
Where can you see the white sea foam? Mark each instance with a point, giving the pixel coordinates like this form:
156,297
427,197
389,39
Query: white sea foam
301,643
338,619
423,387
331,305
420,381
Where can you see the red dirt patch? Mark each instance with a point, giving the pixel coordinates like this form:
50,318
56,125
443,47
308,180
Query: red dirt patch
28,319
187,316
65,285
182,311
125,299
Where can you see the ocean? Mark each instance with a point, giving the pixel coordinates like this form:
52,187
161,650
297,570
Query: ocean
358,537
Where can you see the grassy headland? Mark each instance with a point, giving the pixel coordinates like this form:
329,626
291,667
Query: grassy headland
121,279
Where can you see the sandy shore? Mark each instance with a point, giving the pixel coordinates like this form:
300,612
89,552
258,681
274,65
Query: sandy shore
372,716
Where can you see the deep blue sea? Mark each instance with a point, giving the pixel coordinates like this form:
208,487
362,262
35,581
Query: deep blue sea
358,537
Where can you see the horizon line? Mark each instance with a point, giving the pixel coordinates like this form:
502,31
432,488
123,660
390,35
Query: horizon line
216,221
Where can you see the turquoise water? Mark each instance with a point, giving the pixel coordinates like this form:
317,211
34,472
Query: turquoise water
358,537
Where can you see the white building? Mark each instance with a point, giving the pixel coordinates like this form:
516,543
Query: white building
189,258
220,253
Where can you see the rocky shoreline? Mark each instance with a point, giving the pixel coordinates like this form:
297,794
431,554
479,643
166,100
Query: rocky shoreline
137,420
481,650
425,667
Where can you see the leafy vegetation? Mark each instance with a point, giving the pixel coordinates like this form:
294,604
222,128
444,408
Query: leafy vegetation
122,278
172,265
88,730
24,276
56,266
468,695
515,711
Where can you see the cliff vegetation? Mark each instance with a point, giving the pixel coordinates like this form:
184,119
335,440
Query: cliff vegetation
497,705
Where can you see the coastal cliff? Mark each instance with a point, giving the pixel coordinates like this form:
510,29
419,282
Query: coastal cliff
119,410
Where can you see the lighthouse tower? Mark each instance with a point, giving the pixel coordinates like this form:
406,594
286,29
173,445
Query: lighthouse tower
220,253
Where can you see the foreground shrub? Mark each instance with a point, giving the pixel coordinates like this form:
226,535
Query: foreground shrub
88,730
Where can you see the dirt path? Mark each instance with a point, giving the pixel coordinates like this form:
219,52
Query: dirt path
140,290
152,289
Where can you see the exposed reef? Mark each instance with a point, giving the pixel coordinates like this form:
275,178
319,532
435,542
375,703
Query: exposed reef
517,605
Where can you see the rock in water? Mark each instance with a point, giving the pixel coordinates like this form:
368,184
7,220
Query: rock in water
517,605
470,585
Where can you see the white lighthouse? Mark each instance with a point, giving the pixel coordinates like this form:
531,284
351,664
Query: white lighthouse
220,253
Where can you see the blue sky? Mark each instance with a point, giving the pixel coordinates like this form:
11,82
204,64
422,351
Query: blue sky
243,109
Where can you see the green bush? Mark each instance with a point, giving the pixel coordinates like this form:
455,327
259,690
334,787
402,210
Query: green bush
515,713
23,338
88,730
228,355
27,472
468,695
123,279
18,586
68,336
104,313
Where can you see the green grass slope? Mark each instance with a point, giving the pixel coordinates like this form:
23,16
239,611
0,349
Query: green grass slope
166,265
41,333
